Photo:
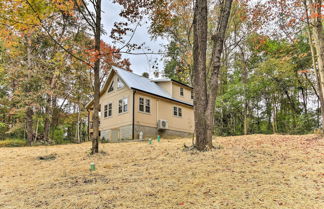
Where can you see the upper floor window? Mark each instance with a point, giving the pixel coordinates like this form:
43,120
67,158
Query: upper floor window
105,111
181,91
111,88
144,105
123,105
191,94
120,83
177,111
147,106
109,109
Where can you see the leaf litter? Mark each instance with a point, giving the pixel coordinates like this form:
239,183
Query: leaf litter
254,171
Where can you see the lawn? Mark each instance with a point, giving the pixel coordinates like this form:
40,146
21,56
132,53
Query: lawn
255,171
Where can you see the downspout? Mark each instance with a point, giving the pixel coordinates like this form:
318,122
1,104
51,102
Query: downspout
88,124
133,118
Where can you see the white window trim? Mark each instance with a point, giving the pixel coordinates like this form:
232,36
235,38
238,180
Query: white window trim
149,106
144,105
182,91
139,104
123,112
111,110
104,111
177,111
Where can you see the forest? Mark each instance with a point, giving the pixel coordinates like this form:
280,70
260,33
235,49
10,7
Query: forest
262,65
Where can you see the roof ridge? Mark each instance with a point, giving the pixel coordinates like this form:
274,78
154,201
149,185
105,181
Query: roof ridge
131,72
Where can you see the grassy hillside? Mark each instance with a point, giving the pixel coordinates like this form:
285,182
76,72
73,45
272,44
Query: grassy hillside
255,171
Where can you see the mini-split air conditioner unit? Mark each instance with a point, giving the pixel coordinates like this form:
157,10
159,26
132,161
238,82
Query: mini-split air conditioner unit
162,124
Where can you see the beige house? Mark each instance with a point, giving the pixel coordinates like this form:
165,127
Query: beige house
131,104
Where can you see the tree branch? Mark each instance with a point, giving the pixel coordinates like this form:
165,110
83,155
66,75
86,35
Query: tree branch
55,41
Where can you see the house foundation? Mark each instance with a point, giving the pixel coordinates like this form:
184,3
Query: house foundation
125,133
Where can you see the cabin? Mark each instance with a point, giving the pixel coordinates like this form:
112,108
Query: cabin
132,105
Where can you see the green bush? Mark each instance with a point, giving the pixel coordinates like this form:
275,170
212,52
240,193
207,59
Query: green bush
13,143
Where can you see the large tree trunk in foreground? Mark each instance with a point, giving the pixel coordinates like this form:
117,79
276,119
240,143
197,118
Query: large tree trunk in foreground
318,36
95,136
199,72
206,83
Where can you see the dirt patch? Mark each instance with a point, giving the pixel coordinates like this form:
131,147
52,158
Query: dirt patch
47,157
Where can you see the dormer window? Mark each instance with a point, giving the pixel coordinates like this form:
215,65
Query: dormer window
111,88
120,84
181,91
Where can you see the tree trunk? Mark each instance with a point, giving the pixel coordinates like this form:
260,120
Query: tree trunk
318,37
199,73
29,111
29,124
207,83
36,130
246,101
96,69
77,133
274,117
47,121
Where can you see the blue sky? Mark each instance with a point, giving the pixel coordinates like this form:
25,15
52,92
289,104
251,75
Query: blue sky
139,63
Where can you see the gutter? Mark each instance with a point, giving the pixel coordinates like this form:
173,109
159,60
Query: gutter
163,97
133,117
88,124
178,82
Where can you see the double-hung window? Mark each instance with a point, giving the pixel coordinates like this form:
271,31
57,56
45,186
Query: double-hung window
147,105
144,105
181,92
123,105
177,111
109,109
105,111
141,104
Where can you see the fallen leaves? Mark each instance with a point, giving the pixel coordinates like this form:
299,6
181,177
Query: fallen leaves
256,171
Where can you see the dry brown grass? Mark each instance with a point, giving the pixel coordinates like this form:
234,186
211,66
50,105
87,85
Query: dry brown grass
255,171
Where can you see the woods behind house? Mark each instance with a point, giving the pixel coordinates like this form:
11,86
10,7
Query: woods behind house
256,67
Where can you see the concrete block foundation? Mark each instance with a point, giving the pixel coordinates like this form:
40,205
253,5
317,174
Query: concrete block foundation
125,133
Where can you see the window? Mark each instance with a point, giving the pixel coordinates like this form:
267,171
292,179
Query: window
120,106
111,88
191,94
181,91
109,109
177,111
105,111
120,84
123,105
144,105
141,104
147,106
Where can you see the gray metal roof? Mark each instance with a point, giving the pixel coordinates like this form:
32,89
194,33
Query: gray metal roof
141,83
161,80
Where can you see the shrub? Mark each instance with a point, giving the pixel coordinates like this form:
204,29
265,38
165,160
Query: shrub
13,143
